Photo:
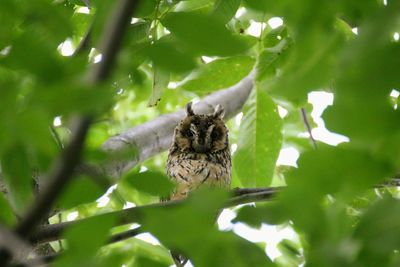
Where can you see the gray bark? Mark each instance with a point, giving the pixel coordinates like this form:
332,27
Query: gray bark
155,136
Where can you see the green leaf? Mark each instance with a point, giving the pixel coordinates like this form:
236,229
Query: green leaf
203,6
84,240
146,8
167,56
146,262
226,9
275,36
190,230
18,176
256,216
260,139
203,34
379,232
7,216
139,31
160,83
270,59
146,250
44,62
81,190
339,171
154,183
310,66
360,101
218,74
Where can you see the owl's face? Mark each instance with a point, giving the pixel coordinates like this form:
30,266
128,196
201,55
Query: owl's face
202,133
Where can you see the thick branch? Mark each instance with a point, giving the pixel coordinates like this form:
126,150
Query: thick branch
240,196
155,136
13,246
53,232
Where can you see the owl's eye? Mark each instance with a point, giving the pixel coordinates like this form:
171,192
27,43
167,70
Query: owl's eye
188,133
215,134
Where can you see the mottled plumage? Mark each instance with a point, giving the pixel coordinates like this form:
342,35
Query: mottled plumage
199,154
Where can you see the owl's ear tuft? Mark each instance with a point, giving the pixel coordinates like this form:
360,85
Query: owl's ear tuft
189,109
219,112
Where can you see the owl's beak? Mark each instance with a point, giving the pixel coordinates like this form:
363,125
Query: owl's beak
200,148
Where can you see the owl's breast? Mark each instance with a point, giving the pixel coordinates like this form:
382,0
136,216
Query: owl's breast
191,173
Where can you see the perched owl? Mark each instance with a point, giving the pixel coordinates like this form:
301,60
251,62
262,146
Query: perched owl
199,154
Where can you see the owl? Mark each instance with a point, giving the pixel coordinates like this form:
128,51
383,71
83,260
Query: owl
199,154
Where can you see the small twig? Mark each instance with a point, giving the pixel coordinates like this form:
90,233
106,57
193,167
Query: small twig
56,137
307,124
125,235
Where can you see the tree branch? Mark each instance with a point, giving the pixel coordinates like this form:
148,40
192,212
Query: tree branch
59,176
63,169
53,232
155,136
113,239
12,246
241,196
307,124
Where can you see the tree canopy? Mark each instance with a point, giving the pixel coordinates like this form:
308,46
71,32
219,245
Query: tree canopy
90,92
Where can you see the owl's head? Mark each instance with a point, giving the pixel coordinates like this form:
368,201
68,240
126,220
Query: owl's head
202,133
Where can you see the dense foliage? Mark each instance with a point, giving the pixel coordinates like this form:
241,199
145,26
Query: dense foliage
176,51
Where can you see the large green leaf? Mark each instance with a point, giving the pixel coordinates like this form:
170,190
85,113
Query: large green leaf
226,9
270,59
260,139
84,240
203,34
7,216
379,233
160,83
220,73
154,183
361,109
339,171
17,175
190,230
165,54
81,190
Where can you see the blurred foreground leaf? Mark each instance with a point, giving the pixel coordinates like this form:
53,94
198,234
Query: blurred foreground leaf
192,233
217,74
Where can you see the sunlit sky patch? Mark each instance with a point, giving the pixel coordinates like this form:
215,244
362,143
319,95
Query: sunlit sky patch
320,101
83,10
256,28
104,199
396,36
57,121
288,156
72,216
275,22
66,48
